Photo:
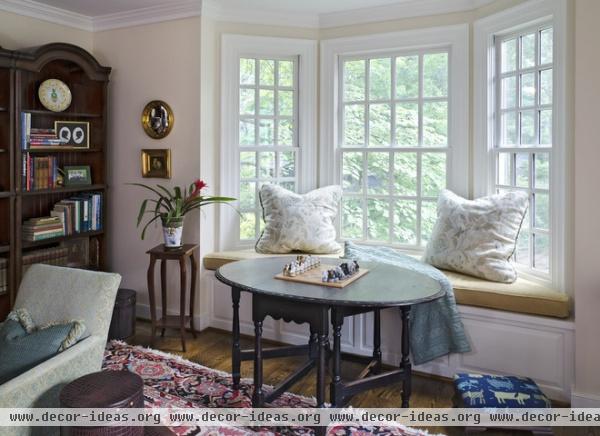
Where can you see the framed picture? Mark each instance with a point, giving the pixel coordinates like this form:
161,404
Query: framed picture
75,134
78,252
156,163
77,175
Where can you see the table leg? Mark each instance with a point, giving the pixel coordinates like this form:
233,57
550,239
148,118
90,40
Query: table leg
150,277
163,293
193,293
183,282
235,347
323,342
405,363
257,396
337,321
377,340
313,344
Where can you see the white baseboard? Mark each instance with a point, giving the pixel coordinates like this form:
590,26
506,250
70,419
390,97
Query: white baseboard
581,400
201,321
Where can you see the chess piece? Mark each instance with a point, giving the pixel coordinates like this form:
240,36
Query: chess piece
345,269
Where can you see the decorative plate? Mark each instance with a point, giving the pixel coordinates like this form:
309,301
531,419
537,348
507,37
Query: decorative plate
55,95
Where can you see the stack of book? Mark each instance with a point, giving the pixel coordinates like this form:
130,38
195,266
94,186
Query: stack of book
3,275
34,137
38,229
44,138
39,172
49,256
79,214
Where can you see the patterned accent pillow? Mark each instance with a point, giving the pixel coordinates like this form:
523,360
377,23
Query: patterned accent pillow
23,345
295,222
496,391
477,237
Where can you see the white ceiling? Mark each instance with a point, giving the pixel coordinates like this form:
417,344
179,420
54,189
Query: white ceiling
98,15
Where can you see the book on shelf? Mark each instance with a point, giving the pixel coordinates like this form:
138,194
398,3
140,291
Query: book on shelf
38,229
3,275
80,214
32,137
39,172
49,256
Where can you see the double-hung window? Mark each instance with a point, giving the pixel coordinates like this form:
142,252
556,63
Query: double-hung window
395,130
521,126
268,126
268,134
524,134
393,144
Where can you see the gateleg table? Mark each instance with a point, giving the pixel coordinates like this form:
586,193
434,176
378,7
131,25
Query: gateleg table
382,287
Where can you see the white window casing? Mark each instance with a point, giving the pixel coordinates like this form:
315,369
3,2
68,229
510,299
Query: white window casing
303,52
487,32
453,40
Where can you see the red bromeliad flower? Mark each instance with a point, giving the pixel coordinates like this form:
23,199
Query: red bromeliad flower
198,186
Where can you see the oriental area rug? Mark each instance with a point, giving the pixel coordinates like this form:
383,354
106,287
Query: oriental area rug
171,381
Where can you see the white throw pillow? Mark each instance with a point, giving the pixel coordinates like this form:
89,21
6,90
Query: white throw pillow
296,222
477,237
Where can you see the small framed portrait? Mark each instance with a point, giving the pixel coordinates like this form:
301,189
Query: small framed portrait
74,134
156,163
77,175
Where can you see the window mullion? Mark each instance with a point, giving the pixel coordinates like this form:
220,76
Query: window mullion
365,195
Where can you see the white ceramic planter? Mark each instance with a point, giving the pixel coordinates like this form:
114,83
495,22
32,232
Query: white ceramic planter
172,234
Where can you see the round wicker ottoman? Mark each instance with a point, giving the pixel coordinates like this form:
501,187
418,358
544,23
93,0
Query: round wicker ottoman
104,389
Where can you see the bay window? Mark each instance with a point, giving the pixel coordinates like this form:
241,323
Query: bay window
393,145
268,145
523,143
521,127
394,120
268,126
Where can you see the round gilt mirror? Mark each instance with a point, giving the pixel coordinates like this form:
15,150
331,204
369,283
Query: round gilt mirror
157,119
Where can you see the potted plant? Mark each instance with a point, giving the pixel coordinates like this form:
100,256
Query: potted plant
172,206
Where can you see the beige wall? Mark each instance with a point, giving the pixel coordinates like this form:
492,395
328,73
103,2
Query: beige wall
587,207
17,31
157,61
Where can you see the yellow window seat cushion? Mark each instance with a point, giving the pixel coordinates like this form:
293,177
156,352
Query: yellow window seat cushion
522,296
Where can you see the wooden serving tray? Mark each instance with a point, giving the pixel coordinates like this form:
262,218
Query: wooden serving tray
313,277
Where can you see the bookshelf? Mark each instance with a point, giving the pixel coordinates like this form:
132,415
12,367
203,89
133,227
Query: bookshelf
21,73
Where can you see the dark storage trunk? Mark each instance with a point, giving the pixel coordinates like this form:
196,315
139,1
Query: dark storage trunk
122,324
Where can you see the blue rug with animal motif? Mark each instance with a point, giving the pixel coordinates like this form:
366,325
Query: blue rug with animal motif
483,391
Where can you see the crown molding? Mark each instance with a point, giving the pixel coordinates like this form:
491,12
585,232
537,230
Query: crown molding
48,13
148,15
407,9
218,12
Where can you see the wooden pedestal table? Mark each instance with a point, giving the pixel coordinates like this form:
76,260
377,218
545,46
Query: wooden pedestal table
384,286
172,321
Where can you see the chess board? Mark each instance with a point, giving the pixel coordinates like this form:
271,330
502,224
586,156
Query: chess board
313,277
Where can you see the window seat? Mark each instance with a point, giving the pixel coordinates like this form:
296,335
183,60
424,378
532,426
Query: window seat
522,296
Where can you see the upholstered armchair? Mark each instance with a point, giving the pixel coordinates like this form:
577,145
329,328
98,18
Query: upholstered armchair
53,293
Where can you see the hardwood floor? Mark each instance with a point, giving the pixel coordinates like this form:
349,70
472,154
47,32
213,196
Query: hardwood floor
212,348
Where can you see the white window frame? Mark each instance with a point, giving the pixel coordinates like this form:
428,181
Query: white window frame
532,13
234,47
454,39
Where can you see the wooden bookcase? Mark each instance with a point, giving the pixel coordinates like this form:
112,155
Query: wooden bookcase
21,73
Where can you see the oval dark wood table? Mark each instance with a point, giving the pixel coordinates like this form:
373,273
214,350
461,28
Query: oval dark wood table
382,287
